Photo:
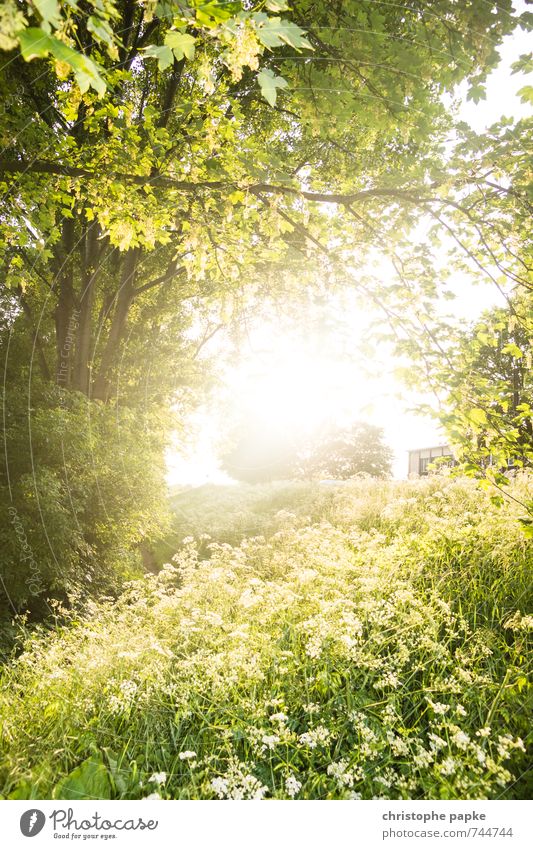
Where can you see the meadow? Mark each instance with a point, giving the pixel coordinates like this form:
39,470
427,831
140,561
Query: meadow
355,641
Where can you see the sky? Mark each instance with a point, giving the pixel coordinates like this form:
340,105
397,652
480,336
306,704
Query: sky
304,382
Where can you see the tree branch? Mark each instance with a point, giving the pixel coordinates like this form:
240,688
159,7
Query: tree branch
39,166
172,271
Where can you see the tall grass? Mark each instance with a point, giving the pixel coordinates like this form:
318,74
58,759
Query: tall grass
370,640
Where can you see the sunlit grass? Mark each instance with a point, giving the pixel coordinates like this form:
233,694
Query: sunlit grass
369,640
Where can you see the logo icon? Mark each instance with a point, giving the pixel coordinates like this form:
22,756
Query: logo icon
32,822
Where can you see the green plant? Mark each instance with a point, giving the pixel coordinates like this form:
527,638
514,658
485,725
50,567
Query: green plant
335,659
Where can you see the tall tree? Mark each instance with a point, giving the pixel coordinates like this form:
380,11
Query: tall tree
158,152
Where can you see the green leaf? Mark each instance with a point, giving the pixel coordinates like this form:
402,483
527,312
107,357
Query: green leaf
90,780
269,84
23,790
526,94
211,14
524,64
181,43
163,54
85,70
277,5
477,93
477,416
527,526
275,32
511,348
34,43
101,29
49,11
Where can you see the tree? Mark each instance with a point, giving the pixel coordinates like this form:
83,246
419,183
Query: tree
83,486
341,454
487,407
481,377
167,163
262,453
165,168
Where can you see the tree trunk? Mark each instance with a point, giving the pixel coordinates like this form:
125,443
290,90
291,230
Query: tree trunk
123,301
90,269
66,316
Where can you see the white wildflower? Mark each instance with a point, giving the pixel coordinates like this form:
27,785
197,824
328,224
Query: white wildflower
343,776
438,707
390,680
220,787
437,743
448,767
423,758
315,737
279,717
269,741
292,786
461,739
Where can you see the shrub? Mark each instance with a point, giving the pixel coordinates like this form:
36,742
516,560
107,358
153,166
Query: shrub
84,484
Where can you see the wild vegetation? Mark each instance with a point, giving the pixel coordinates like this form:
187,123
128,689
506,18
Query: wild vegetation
379,649
165,168
168,170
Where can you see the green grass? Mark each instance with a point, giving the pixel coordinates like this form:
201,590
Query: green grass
364,640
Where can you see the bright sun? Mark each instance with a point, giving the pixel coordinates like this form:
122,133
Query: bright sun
299,393
294,386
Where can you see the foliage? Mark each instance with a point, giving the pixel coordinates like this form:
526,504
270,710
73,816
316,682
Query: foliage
264,452
379,652
341,454
482,379
165,176
489,402
243,35
167,164
229,514
83,485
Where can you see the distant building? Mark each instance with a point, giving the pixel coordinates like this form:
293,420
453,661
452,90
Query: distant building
420,458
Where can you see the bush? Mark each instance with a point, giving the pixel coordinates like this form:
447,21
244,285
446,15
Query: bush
84,484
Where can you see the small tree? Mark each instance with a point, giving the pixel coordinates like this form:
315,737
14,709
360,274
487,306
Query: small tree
260,453
344,453
488,408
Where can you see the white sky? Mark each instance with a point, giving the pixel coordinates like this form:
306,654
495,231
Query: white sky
280,375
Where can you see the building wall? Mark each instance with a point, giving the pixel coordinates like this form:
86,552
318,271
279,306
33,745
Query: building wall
420,458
